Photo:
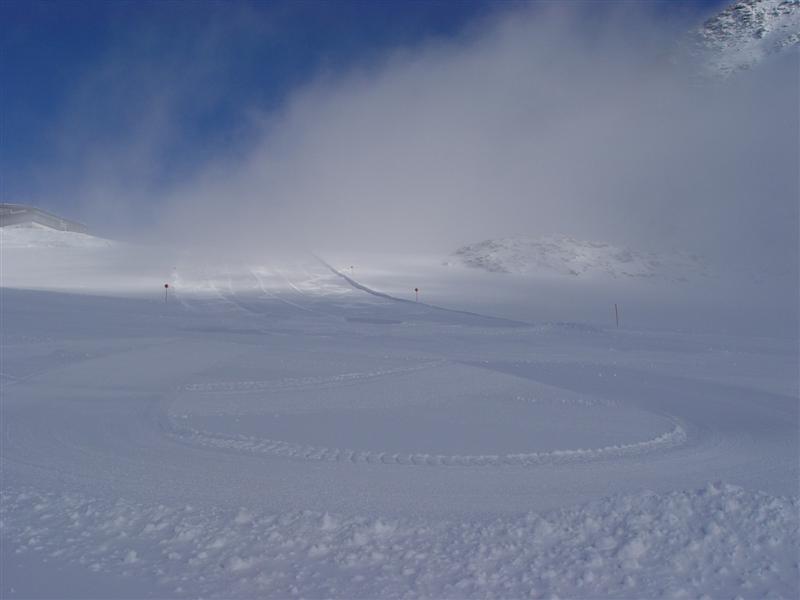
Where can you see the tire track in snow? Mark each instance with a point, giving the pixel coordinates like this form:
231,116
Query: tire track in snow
250,444
675,437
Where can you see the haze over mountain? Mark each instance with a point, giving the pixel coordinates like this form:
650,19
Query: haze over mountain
735,41
527,121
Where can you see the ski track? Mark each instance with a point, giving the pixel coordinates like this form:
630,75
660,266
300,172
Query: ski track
271,296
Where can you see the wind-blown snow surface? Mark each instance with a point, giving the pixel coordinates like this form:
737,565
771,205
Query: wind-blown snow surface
288,429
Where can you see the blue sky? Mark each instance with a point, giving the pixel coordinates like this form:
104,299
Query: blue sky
56,57
80,79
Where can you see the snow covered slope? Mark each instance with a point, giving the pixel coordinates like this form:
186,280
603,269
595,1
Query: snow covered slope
37,257
563,255
281,430
746,33
39,236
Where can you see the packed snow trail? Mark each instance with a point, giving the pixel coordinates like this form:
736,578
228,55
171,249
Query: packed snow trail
232,444
474,316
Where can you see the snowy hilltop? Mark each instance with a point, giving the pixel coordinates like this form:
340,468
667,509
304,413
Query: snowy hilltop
746,33
564,255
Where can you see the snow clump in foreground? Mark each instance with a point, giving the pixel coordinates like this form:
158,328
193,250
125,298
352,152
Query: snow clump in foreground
720,541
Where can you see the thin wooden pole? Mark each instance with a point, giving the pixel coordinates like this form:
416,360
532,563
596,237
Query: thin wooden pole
616,314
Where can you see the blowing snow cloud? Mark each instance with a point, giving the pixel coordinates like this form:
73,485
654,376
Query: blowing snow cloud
577,119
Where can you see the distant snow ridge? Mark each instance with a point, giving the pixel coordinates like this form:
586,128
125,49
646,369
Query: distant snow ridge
746,33
39,236
567,256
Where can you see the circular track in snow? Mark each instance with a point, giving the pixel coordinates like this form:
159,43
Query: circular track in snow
429,414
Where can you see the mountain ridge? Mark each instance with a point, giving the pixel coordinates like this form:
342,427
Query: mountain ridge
745,34
567,256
